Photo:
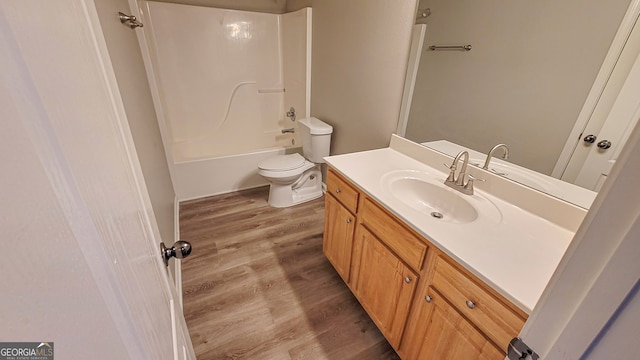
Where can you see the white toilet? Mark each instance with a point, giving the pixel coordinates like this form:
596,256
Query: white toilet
295,179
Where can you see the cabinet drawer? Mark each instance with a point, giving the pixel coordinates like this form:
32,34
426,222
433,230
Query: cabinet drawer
407,246
494,318
341,190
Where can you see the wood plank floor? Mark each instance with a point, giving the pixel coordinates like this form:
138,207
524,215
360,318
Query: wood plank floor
257,285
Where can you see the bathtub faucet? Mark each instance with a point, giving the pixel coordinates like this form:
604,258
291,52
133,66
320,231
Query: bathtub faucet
289,130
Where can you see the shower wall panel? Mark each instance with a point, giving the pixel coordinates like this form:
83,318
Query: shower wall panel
296,49
221,80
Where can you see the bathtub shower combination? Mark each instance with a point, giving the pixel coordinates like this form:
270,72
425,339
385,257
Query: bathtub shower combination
223,82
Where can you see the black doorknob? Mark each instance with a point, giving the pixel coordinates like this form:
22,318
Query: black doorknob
590,139
604,144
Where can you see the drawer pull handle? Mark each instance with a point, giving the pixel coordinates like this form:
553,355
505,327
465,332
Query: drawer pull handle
348,221
428,298
470,304
407,279
337,191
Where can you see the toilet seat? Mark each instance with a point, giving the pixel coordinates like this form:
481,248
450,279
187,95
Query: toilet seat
284,166
282,162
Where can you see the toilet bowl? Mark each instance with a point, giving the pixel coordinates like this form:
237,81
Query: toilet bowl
294,179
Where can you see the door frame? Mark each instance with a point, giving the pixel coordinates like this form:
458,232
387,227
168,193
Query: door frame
598,88
418,34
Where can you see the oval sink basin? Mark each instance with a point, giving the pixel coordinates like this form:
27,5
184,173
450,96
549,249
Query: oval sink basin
433,200
426,193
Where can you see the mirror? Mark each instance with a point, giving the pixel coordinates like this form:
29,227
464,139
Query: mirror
523,83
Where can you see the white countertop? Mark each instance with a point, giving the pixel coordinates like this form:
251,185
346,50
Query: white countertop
515,256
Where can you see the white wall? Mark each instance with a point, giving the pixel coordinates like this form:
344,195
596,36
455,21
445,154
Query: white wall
523,83
359,60
136,95
616,342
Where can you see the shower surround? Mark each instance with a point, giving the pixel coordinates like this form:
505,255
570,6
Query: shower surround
223,81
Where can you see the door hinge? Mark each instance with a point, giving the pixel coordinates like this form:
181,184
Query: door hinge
518,350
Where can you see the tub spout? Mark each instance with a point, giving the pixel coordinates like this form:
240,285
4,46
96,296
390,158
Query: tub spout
289,130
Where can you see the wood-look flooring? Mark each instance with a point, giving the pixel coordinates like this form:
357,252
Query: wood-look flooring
257,285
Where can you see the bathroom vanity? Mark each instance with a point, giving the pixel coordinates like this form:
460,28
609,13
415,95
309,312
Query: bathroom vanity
443,275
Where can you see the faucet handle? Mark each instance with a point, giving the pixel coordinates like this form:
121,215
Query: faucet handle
472,178
469,185
452,172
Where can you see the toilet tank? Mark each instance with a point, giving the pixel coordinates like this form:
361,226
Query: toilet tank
316,139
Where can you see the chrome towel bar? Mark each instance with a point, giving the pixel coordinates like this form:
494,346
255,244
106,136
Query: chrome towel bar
453,47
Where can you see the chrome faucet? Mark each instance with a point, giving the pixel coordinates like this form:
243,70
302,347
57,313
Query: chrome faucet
459,184
505,155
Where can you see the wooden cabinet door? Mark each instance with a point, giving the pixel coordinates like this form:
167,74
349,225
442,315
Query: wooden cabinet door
385,285
449,336
339,226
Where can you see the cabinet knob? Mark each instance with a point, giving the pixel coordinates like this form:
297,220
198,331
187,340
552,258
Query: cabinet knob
407,279
428,298
337,191
348,221
471,304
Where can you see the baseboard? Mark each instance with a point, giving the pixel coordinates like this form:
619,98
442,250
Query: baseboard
224,192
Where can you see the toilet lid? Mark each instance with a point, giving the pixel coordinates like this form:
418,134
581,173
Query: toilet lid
282,162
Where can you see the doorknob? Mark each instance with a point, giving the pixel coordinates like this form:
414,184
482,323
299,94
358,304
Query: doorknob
590,139
604,144
181,249
291,114
129,20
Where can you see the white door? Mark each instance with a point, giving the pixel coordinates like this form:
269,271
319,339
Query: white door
605,149
63,119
